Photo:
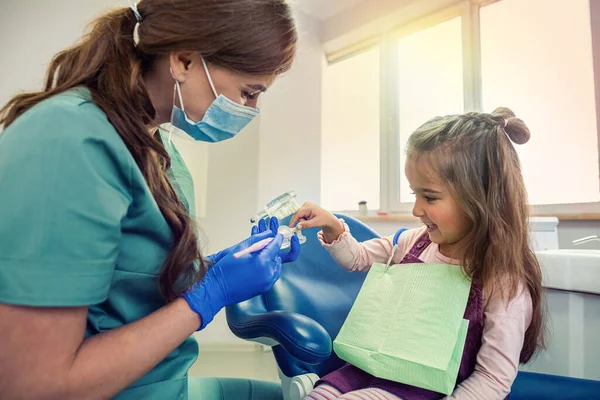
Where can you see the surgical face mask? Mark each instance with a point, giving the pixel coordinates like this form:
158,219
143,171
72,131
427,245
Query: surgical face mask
223,119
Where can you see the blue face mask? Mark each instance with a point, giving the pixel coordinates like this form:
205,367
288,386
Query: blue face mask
223,119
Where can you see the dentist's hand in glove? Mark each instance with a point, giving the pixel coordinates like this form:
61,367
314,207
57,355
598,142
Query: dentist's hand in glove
232,280
256,237
260,232
294,251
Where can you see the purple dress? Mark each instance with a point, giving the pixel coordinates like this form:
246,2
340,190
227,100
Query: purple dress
350,378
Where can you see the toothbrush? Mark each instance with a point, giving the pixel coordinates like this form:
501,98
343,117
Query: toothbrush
255,247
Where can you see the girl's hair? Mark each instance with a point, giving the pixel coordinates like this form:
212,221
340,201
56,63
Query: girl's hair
255,37
474,156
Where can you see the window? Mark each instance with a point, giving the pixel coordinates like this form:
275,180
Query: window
350,134
542,68
430,70
533,56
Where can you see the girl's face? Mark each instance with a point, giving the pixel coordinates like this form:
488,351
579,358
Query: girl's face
447,224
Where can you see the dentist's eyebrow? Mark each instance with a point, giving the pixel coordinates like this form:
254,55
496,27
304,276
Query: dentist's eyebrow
257,88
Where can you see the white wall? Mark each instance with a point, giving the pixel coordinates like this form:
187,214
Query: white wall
290,130
370,18
32,31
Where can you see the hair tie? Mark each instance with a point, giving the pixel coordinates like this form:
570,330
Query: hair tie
136,28
136,12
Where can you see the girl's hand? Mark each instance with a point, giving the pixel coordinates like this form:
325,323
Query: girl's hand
311,215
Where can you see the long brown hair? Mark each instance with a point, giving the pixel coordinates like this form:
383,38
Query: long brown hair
474,155
255,37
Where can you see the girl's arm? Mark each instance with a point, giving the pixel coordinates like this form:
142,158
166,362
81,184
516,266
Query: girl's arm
354,256
498,359
336,238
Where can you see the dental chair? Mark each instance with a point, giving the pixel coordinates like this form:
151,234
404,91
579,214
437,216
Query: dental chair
304,311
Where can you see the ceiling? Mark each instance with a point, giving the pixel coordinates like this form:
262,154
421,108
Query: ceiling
324,9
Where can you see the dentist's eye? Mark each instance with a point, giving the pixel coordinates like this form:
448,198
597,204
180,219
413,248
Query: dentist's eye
250,96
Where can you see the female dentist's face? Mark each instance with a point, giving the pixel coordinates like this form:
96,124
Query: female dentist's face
196,91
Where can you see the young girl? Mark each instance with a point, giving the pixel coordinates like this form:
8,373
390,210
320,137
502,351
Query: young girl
472,201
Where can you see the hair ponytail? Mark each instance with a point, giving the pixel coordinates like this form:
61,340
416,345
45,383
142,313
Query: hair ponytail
105,61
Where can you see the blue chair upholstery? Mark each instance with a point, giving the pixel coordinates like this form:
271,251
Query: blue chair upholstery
306,308
534,386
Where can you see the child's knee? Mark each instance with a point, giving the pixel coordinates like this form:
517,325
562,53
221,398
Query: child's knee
324,392
368,394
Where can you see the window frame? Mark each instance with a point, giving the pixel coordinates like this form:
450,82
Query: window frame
390,148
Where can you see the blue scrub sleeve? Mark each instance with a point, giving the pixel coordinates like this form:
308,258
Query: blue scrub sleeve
65,179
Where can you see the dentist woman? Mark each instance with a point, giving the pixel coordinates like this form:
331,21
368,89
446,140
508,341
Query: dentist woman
102,281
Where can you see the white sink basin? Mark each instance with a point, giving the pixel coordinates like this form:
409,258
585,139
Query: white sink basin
572,270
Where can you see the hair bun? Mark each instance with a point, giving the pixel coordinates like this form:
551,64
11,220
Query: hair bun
515,128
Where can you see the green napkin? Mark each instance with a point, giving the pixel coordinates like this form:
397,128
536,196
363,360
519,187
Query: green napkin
407,325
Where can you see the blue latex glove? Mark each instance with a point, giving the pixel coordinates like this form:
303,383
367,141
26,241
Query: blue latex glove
293,253
256,237
233,280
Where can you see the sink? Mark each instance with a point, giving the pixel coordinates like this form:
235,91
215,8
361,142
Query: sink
571,270
571,280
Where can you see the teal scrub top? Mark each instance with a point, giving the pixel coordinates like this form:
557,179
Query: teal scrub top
79,226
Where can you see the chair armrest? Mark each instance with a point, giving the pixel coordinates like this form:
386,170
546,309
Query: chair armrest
302,337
